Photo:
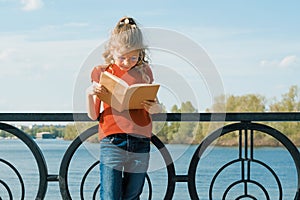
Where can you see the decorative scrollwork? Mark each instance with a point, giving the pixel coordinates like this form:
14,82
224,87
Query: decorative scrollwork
39,158
21,182
245,160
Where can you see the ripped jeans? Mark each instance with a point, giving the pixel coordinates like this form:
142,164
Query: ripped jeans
124,161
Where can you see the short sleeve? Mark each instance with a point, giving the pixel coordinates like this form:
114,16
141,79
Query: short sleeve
96,72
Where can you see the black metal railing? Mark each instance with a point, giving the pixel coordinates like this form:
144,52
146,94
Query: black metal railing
245,124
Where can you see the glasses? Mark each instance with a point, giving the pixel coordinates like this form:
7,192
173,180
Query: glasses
130,58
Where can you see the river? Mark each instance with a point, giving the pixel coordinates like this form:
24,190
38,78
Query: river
53,150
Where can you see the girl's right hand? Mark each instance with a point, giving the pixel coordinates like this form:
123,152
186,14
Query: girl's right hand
96,89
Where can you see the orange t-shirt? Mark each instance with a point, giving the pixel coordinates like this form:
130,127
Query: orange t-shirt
136,121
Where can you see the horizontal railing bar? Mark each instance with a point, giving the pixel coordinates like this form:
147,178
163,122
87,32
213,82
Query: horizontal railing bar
181,178
43,117
195,117
53,178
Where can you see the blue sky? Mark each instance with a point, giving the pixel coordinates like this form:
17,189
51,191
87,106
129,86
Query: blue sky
254,45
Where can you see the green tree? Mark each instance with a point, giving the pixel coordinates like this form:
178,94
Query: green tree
70,132
74,129
232,103
182,132
290,102
218,105
161,129
4,134
245,103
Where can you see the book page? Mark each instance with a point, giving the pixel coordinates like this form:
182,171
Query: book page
122,97
115,78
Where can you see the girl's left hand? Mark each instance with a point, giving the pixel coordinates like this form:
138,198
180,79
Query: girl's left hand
152,107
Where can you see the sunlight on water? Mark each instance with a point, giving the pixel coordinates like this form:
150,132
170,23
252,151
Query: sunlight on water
18,154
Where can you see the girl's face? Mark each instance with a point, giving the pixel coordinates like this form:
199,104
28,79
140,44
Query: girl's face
128,60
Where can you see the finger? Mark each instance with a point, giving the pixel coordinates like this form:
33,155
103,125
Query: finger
103,89
97,90
149,103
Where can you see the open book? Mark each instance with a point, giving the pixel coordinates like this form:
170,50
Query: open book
124,97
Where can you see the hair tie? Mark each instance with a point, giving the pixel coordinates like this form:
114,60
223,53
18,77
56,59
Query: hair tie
128,21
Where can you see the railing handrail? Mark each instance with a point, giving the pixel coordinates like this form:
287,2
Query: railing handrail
199,117
245,127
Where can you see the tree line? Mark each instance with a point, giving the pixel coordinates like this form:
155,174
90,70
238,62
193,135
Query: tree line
195,132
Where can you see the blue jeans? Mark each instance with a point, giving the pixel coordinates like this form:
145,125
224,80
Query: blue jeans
124,161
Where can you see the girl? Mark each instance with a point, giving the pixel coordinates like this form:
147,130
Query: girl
124,136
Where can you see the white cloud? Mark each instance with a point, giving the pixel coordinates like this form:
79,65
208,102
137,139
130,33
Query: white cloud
30,5
6,54
286,62
268,63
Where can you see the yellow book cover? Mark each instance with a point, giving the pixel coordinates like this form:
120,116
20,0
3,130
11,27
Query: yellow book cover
124,97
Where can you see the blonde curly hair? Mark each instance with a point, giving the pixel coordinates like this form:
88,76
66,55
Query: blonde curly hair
127,37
